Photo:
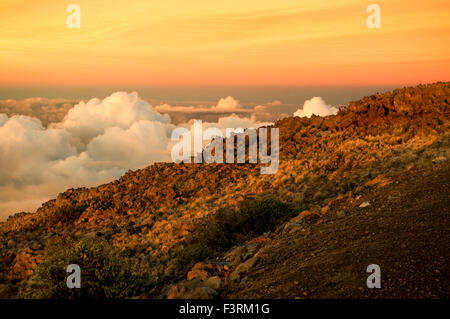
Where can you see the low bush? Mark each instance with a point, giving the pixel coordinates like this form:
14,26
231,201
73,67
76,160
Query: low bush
105,272
231,226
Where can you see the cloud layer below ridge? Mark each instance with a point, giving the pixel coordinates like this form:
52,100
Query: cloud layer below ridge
96,142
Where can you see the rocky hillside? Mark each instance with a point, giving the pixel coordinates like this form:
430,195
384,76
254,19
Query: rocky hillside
395,222
161,218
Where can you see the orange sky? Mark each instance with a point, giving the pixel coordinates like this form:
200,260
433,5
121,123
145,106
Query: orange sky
204,42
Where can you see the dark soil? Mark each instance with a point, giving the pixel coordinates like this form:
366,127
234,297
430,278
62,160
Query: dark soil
405,231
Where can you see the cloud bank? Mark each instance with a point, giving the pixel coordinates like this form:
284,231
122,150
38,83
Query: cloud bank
96,141
47,110
269,112
54,110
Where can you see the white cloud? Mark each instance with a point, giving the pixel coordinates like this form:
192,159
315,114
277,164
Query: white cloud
228,104
316,106
26,148
143,143
88,120
3,119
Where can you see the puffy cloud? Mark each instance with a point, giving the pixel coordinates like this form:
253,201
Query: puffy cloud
144,142
316,106
95,142
229,104
88,120
26,148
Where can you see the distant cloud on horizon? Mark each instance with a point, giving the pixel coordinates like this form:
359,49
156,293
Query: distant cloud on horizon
46,110
316,106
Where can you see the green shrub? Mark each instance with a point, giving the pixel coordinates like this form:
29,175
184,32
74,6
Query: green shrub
185,256
230,226
105,272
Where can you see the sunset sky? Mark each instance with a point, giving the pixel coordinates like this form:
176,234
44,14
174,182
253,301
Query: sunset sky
234,42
